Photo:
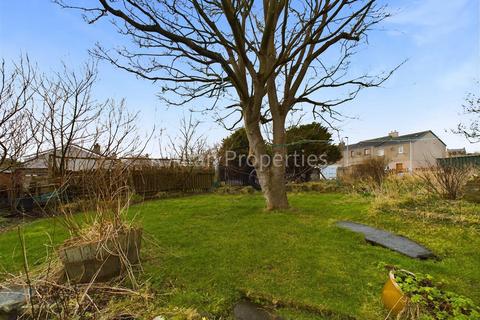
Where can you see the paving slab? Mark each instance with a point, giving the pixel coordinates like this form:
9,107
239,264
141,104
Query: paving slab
11,301
389,240
246,310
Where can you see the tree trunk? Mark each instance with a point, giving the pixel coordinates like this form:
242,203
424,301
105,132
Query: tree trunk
273,187
270,168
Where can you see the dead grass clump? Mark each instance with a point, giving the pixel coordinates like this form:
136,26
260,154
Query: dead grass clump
430,209
392,186
52,299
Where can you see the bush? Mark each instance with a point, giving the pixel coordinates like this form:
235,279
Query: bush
235,190
323,186
373,170
446,181
136,198
472,190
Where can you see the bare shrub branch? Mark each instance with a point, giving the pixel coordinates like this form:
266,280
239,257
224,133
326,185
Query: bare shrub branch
445,180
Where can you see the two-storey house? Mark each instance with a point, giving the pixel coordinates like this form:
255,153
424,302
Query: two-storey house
402,152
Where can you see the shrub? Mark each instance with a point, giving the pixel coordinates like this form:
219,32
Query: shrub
446,181
372,169
371,173
324,186
235,190
472,190
136,198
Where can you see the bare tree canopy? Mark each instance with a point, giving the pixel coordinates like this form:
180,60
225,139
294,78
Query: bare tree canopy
189,146
256,59
69,116
16,103
471,128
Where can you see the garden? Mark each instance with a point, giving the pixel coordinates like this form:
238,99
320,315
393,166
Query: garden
204,253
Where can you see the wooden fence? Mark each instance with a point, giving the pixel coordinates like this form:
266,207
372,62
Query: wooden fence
148,182
145,181
460,161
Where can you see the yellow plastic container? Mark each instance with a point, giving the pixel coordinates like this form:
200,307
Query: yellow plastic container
392,296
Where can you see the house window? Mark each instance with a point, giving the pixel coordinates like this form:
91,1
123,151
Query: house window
380,152
366,152
400,149
352,153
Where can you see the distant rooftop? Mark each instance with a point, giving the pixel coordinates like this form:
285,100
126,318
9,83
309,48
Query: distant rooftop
394,138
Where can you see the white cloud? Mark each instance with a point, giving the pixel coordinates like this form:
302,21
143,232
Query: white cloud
428,20
461,78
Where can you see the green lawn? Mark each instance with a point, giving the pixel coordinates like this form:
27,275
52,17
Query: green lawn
213,247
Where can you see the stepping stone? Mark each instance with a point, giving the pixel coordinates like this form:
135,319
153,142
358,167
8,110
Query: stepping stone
388,240
11,302
245,310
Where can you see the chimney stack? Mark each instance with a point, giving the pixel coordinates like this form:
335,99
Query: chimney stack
393,134
96,148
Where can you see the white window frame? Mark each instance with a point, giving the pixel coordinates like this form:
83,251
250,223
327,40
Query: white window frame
366,152
400,150
381,152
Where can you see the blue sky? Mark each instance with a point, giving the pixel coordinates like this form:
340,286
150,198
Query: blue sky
440,39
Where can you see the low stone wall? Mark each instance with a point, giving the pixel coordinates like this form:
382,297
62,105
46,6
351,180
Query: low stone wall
472,190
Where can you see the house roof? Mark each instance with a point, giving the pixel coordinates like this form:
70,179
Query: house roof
457,150
72,147
389,140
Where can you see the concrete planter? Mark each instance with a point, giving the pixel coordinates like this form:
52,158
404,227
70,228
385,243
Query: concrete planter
100,261
392,296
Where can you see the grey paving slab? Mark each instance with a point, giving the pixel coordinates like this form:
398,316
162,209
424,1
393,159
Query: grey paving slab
11,301
389,240
245,310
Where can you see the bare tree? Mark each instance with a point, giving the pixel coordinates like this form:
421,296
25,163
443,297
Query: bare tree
16,107
74,125
258,59
68,113
117,131
189,145
471,128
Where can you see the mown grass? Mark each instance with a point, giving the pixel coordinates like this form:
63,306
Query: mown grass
214,248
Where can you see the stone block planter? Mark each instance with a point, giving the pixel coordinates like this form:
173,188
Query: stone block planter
100,260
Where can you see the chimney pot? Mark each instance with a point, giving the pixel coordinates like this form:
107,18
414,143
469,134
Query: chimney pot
96,148
393,134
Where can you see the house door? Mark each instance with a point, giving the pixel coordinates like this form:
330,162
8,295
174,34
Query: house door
399,167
